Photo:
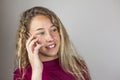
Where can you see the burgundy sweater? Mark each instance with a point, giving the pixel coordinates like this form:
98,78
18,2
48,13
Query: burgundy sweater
51,71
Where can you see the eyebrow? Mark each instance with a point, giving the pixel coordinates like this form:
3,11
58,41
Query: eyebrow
39,29
43,28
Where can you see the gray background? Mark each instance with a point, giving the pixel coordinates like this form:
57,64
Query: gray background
93,25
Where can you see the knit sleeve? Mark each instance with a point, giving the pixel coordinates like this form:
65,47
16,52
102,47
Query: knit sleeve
19,75
23,74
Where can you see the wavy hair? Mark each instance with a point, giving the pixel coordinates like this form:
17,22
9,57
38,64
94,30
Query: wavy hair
69,59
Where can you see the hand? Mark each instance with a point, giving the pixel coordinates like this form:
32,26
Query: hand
33,47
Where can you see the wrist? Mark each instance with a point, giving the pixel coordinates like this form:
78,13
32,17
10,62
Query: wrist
36,75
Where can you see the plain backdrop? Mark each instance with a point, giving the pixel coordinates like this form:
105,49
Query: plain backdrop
93,26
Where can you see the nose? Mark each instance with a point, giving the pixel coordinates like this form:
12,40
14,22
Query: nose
49,37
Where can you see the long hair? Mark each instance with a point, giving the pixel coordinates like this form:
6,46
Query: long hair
69,59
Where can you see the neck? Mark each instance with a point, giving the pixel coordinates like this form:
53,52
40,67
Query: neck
47,58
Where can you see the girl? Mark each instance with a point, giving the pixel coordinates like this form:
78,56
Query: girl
44,50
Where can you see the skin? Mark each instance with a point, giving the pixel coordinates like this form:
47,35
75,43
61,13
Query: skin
42,45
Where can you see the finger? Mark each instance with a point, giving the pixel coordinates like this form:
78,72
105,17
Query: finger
28,35
29,40
32,44
37,48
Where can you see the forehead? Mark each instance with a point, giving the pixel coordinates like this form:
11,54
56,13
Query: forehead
40,21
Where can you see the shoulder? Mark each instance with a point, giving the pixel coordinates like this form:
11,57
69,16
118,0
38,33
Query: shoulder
21,73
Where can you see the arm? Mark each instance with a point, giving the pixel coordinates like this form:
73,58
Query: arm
33,55
36,75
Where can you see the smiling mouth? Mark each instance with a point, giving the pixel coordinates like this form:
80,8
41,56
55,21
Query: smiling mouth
51,46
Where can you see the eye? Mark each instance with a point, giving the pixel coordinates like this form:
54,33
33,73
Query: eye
54,30
41,33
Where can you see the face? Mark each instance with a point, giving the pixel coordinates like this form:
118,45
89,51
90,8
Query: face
47,34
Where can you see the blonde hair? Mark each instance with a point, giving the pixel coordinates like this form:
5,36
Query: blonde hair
70,61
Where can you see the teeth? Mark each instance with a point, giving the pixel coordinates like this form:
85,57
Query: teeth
51,46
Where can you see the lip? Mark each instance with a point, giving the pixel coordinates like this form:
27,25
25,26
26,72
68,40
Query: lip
51,46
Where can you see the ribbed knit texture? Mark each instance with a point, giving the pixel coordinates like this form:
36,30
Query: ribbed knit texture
51,71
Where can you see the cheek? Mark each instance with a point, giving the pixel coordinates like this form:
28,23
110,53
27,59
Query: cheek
40,39
57,37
